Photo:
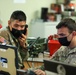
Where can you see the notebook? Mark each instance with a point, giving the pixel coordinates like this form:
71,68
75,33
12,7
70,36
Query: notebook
59,68
8,59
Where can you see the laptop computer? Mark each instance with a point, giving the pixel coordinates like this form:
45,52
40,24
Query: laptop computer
8,60
59,68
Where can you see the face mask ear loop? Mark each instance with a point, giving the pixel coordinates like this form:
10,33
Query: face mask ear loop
69,35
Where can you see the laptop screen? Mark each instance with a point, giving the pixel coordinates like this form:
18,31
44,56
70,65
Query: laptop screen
59,68
8,59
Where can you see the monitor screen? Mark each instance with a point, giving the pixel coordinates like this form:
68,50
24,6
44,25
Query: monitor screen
59,68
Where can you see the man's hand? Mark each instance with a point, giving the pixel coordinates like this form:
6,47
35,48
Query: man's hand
39,72
2,40
22,40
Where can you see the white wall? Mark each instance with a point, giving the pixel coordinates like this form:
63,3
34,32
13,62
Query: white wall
30,7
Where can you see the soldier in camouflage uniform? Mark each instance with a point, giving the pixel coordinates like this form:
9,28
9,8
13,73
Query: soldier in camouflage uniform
16,25
66,31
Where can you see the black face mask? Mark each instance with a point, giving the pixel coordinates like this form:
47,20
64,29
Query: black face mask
17,33
63,41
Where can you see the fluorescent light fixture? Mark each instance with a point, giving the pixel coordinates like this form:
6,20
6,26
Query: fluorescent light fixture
19,1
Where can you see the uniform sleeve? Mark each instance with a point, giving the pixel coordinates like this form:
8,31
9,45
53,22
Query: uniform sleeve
57,55
71,59
24,52
4,37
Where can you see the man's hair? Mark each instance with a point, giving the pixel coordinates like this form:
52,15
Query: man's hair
69,23
18,15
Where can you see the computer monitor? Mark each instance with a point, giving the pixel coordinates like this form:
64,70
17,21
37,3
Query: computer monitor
59,68
8,59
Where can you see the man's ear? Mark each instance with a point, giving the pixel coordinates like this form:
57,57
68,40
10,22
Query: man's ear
9,22
74,33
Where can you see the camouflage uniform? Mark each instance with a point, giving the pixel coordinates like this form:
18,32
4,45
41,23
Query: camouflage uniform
11,40
65,54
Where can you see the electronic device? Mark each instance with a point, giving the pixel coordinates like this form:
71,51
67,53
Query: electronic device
20,32
8,60
30,46
27,72
59,68
25,30
44,12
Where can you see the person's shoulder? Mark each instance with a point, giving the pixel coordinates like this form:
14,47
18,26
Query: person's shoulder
4,30
62,48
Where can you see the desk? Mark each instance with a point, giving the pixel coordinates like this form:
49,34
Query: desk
35,62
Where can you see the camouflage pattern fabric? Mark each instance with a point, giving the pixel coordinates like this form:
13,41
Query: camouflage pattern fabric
11,40
65,54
